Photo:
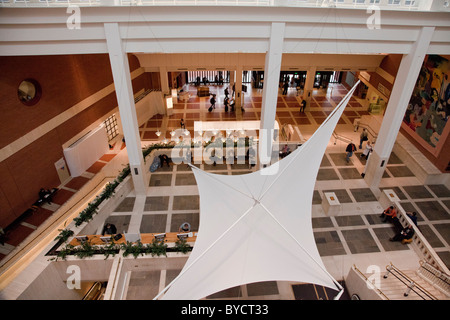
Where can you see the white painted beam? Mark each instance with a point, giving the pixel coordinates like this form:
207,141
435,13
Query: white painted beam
124,92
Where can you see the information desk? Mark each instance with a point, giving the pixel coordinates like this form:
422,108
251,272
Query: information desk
203,91
146,238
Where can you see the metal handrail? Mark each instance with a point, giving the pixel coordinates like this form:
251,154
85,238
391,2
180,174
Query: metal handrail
367,281
435,277
410,283
339,137
144,94
435,272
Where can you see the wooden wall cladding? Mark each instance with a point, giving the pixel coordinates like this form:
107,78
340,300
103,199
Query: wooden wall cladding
66,80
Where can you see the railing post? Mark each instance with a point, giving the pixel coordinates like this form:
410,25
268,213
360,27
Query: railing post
409,288
388,270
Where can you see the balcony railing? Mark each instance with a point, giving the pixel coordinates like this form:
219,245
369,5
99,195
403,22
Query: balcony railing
403,5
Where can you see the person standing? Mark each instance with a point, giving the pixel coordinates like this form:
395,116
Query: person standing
303,106
413,217
363,137
367,150
350,149
232,104
182,124
285,87
226,102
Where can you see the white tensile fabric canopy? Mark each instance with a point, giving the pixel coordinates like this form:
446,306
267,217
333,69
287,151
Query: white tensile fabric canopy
257,227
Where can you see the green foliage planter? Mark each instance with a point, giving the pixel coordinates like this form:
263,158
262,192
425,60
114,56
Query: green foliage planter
134,249
64,235
86,250
156,248
182,246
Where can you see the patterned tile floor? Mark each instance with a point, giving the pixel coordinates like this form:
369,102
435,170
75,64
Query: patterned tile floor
357,230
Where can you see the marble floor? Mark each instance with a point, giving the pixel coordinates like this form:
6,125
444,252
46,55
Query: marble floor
355,234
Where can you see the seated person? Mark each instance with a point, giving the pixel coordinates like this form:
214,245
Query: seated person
285,151
155,164
45,195
164,158
185,227
406,234
389,214
109,229
2,236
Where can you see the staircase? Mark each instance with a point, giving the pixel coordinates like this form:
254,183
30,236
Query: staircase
395,284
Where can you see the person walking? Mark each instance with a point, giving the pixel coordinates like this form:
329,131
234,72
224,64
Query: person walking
213,103
363,137
350,149
367,150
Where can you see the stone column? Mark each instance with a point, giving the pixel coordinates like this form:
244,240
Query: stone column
272,70
401,93
124,92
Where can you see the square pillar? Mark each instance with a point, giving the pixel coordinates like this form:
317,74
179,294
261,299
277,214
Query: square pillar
238,90
309,86
164,79
398,102
272,70
127,109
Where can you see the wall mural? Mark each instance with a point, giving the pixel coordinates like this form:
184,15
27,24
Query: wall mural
429,107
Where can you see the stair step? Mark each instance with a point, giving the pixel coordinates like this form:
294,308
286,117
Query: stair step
394,289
